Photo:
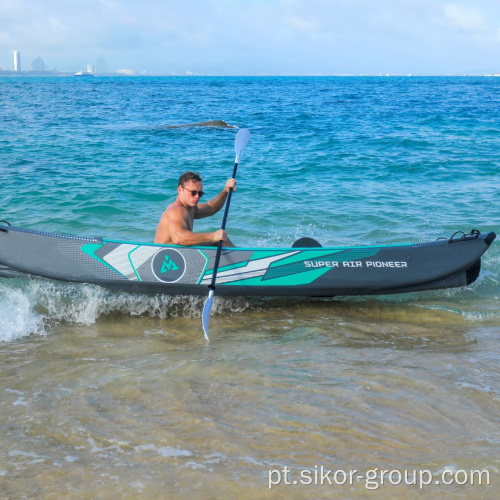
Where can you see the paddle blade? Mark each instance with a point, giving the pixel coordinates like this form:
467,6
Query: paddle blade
206,312
240,143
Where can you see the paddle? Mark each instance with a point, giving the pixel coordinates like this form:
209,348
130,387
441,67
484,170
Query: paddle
240,143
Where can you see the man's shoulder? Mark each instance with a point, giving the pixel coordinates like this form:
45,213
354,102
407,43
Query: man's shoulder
176,209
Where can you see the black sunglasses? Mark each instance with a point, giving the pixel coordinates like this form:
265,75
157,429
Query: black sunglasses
194,192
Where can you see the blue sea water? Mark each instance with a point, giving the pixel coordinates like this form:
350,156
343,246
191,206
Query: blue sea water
344,160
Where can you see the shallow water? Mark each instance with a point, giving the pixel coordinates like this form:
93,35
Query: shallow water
140,405
106,394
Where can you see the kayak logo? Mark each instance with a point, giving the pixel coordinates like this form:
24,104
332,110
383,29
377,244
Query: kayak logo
168,265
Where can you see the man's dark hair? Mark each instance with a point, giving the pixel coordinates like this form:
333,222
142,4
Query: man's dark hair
189,176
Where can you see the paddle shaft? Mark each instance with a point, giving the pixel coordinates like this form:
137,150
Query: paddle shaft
240,143
223,226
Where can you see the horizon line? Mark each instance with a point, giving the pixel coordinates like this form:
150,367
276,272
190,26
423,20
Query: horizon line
132,74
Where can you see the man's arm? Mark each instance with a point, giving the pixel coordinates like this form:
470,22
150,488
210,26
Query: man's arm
212,206
182,235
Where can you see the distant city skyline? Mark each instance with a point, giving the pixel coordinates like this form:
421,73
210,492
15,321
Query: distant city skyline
37,65
261,37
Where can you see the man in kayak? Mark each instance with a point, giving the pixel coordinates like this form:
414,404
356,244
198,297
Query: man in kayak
176,223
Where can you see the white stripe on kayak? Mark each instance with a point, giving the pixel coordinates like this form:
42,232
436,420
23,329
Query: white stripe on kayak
141,254
251,270
118,258
238,277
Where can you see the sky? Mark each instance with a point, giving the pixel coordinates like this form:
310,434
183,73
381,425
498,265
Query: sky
256,37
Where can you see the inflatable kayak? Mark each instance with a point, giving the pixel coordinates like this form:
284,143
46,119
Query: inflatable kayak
305,269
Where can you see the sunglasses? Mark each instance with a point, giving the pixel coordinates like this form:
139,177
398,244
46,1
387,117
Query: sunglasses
194,192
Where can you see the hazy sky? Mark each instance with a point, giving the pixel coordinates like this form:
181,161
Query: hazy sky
253,37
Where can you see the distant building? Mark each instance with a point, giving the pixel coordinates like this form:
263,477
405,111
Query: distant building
101,66
17,61
37,64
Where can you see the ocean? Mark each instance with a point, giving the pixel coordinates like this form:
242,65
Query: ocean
107,393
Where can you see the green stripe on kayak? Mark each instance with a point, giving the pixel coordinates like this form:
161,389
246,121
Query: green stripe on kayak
291,280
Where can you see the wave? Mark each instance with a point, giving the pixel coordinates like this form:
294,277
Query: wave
34,307
18,318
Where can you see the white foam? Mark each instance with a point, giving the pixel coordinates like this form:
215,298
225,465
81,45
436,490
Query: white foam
164,451
84,304
36,459
21,401
18,317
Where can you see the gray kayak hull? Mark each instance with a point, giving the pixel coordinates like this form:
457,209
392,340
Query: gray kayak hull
170,269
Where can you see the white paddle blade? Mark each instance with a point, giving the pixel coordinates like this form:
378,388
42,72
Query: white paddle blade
206,312
240,143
